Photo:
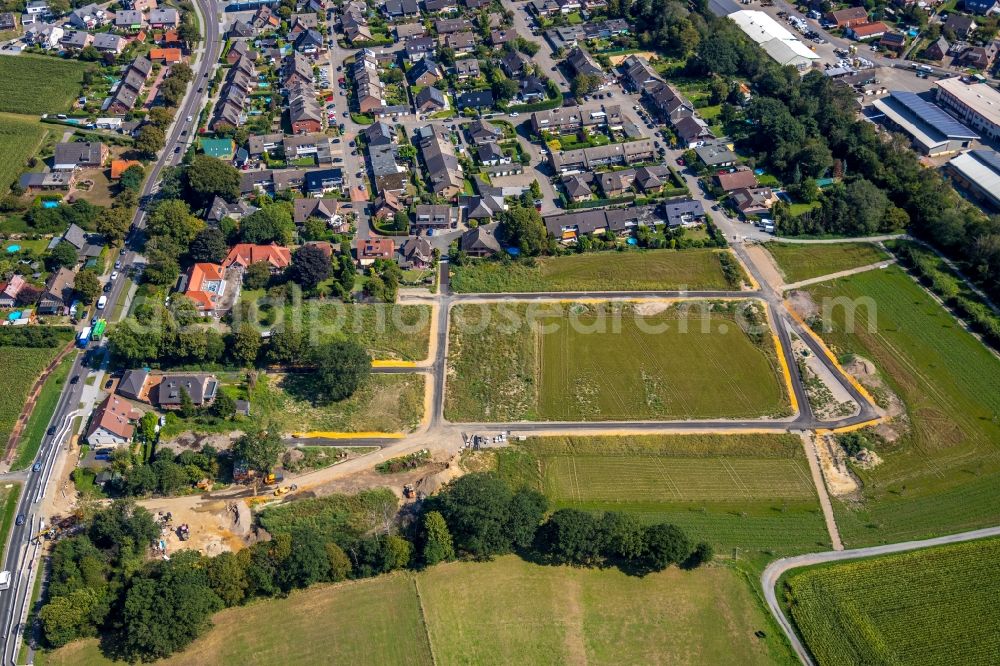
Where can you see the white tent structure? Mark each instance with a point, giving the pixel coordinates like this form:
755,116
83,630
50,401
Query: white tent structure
774,38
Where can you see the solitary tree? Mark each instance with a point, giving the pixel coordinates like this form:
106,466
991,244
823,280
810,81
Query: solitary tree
438,546
310,266
208,177
61,255
150,140
259,450
87,286
341,366
208,245
132,177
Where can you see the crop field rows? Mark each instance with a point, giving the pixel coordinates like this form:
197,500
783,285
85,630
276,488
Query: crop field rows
934,606
24,365
665,479
35,85
18,141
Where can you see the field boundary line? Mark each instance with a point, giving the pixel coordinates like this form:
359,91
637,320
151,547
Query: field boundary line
812,457
839,274
423,618
32,400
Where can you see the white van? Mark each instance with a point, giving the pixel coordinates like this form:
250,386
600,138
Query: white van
101,302
4,580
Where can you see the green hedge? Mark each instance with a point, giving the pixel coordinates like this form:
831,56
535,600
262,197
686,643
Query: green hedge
553,103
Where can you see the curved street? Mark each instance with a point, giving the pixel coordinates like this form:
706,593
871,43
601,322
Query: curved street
774,571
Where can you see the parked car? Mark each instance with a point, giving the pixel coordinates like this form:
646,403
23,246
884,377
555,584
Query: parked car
20,519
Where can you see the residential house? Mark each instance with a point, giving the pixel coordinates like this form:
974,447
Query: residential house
531,89
265,19
490,154
320,209
302,22
938,50
419,47
7,21
133,385
105,42
167,56
37,8
277,257
386,205
513,63
239,49
481,132
865,31
296,69
637,73
354,22
205,285
220,209
846,18
304,113
430,100
58,292
615,184
168,393
50,180
475,99
129,20
716,155
87,246
443,169
125,96
375,248
407,31
984,7
577,187
435,217
164,17
445,26
893,41
416,253
319,182
46,36
754,200
692,131
467,68
10,290
960,25
484,206
379,134
76,40
567,119
111,424
480,241
424,73
79,155
581,62
89,17
309,42
739,178
389,175
460,42
501,37
569,6
441,6
685,212
241,30
543,8
978,57
400,9
586,159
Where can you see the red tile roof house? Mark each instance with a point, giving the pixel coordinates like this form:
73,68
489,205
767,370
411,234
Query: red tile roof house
867,30
9,291
244,254
376,248
845,18
206,285
111,425
736,180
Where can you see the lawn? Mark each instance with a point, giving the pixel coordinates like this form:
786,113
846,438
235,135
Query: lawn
24,365
752,492
943,474
8,505
20,89
20,137
34,432
387,331
384,403
622,361
800,261
933,606
696,269
503,612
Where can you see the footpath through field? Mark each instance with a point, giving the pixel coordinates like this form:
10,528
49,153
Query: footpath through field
774,571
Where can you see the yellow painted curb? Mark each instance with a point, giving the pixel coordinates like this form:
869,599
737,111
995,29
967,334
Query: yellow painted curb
850,428
318,434
829,354
785,372
394,364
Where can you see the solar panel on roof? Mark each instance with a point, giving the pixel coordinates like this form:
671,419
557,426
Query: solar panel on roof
933,115
990,158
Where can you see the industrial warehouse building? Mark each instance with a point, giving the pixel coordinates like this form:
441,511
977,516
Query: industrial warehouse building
932,131
978,171
783,47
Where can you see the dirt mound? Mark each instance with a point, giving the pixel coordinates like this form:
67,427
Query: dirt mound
890,404
802,302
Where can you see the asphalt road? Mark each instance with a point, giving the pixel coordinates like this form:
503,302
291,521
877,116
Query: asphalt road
774,571
22,556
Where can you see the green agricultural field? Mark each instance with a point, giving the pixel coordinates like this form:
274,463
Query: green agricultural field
384,403
799,261
35,85
934,606
752,492
19,139
24,365
387,331
943,474
596,362
38,422
647,270
503,612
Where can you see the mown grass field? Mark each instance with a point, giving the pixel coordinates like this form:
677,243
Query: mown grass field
799,261
607,362
9,494
34,85
23,366
48,398
752,492
19,139
503,612
943,475
934,606
384,403
388,331
695,269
